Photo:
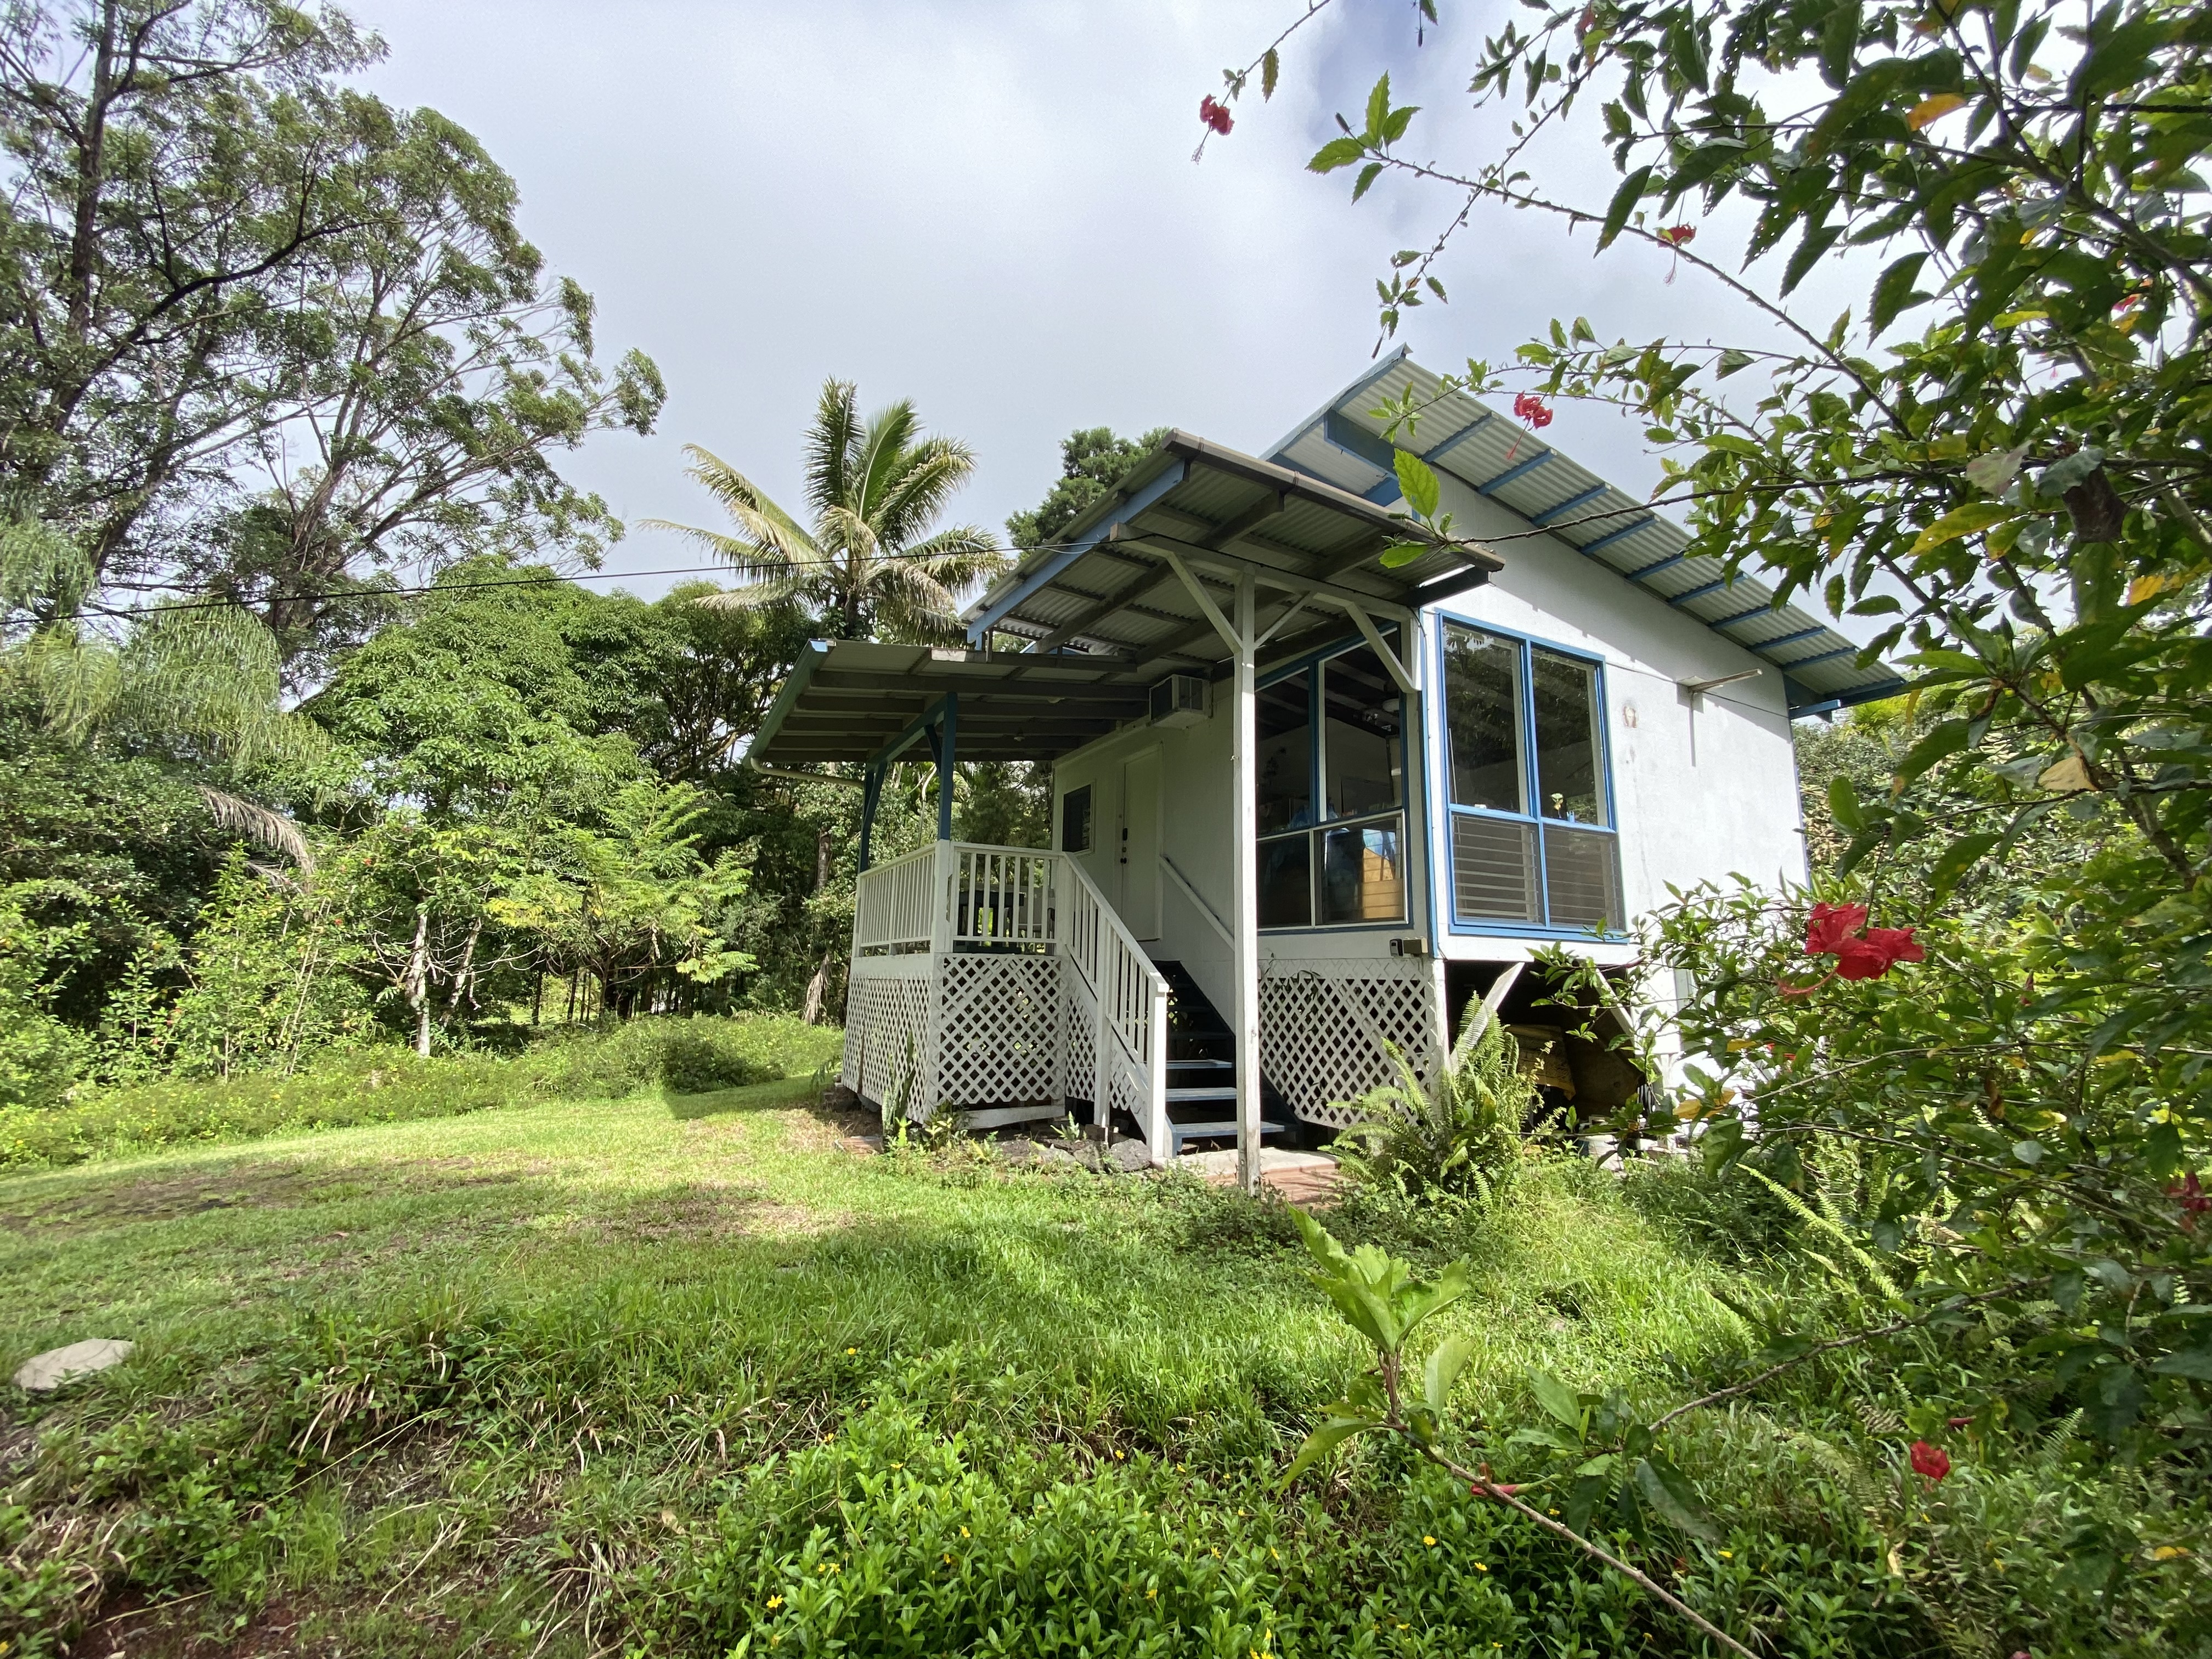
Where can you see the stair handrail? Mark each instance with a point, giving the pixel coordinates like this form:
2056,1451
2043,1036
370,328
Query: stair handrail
1190,892
1131,996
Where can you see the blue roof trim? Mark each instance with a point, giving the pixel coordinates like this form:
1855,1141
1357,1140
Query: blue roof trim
1358,440
1740,615
1612,536
1822,656
1700,593
1569,504
1850,699
802,671
1360,385
1513,472
980,629
1437,456
1787,639
1654,569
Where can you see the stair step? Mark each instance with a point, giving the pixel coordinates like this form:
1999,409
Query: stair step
1179,1133
1186,1096
1202,1066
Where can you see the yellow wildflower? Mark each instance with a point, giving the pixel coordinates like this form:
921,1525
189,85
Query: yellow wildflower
1427,1539
773,1602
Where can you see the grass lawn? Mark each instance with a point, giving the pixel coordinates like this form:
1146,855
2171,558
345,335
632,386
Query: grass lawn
688,1376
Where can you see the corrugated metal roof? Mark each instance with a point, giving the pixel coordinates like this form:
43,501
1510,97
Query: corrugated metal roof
1342,444
1108,591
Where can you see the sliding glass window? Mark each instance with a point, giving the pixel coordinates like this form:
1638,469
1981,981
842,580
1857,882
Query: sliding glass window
1533,840
1332,794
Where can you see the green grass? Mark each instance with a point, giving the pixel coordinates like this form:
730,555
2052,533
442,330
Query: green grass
384,1084
683,1375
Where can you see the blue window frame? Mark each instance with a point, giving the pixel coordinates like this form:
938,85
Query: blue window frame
1330,770
1532,840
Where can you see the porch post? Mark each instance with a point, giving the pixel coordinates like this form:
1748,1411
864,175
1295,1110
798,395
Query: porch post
872,795
1244,915
948,742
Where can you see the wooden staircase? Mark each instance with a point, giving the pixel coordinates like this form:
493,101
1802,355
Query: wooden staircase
1201,1091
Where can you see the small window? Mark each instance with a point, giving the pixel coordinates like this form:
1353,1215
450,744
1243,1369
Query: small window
1075,820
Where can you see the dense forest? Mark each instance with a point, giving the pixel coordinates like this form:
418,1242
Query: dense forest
322,731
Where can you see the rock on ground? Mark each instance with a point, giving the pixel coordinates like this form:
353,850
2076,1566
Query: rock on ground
45,1371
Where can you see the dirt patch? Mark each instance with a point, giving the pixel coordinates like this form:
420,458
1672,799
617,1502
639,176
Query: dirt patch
707,1210
243,1185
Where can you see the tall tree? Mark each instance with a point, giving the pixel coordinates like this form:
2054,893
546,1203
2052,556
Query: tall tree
1092,460
213,256
870,566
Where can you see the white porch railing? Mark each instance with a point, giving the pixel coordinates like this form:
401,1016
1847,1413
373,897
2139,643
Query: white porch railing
998,982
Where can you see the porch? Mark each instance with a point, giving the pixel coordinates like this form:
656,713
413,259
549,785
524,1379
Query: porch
1002,982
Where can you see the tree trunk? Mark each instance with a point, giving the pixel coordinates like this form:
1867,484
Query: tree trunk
818,988
418,981
821,858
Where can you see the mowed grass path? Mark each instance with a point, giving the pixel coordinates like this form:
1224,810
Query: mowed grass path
672,1290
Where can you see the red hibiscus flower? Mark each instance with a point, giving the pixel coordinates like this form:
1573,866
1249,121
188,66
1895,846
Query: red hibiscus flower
1532,408
1861,952
1679,235
2189,1192
1831,925
1215,114
1931,1461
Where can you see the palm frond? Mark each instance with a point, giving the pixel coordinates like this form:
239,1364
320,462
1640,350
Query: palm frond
41,569
79,680
916,603
885,449
772,535
832,443
936,470
264,826
959,555
798,587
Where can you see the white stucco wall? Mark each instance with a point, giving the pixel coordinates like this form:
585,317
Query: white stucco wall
1703,788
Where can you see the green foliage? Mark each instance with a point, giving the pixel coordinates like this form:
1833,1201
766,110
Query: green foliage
1092,460
39,1056
220,255
343,1087
792,1357
870,566
1460,1134
2022,1155
265,982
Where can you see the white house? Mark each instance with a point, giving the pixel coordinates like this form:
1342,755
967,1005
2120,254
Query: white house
1306,804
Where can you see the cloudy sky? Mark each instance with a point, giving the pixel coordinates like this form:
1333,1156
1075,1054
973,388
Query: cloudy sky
989,206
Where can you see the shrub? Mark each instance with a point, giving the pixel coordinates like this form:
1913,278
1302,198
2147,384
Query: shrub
1460,1134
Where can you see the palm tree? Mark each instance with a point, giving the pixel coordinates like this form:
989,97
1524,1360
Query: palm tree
868,567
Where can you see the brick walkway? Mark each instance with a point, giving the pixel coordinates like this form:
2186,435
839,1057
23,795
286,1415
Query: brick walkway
1303,1178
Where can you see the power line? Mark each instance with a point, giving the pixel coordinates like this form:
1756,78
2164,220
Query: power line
210,601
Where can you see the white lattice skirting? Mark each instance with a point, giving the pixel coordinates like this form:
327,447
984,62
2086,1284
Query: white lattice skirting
1000,1031
1324,1022
887,1032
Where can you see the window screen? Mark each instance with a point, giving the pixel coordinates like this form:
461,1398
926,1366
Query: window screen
1566,739
1362,720
1482,716
1285,761
1075,820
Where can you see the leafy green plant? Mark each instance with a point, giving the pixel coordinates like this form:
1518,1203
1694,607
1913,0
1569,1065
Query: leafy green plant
1461,1133
1614,1454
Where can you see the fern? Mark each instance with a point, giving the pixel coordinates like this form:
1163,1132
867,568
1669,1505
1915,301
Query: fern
1835,1229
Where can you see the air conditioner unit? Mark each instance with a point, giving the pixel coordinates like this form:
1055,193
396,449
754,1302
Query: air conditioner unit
1181,700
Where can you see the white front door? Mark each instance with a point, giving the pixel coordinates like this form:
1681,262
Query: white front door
1140,897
